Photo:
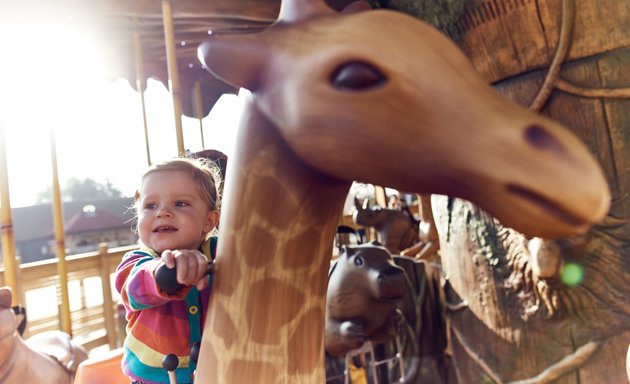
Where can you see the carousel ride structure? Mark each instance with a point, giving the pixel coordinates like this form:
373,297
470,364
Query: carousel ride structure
330,95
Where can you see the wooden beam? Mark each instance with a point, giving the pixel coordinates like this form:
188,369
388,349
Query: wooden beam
6,223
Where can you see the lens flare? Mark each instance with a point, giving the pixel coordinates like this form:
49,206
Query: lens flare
572,274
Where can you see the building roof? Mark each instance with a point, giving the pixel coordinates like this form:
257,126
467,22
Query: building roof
91,218
36,222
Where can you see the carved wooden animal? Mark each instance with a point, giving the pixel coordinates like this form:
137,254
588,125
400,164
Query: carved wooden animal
327,91
364,288
49,358
397,229
556,313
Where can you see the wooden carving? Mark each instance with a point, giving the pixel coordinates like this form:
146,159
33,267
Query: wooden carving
397,229
49,357
332,96
364,288
548,310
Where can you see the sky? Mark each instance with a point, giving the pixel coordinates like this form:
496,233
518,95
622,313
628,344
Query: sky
48,85
97,122
102,138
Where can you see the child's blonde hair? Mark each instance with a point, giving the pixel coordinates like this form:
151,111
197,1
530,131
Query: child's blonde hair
204,173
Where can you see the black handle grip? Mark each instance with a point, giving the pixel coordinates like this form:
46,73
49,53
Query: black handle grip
194,352
166,278
170,362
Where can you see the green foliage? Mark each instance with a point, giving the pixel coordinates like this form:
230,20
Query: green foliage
81,190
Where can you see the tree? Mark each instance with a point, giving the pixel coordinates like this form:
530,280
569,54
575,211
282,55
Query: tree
81,189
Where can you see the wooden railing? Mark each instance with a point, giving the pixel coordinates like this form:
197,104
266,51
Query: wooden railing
93,299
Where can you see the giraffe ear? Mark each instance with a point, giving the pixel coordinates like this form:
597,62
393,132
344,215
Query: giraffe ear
239,60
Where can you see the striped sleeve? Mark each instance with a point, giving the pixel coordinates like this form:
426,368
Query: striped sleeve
135,282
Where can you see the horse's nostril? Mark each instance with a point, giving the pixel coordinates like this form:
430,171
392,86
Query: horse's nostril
540,138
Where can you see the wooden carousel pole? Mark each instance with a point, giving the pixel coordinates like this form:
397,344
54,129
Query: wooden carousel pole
140,84
6,222
171,60
199,109
62,270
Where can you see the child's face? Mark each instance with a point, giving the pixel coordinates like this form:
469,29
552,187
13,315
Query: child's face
172,214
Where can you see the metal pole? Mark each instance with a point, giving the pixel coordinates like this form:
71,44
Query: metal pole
62,270
199,109
108,302
140,83
171,59
6,222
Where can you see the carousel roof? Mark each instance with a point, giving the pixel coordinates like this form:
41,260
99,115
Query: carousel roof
117,22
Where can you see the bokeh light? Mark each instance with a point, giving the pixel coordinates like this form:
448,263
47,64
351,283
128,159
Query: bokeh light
572,274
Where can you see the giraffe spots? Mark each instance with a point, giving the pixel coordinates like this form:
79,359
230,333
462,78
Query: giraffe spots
223,326
228,272
273,202
319,281
293,255
247,371
209,368
271,304
306,343
260,247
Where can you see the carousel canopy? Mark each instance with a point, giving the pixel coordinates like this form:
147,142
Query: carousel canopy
128,30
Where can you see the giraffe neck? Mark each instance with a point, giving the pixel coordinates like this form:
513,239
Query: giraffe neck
266,314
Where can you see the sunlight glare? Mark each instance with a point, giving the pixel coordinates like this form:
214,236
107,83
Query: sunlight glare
61,74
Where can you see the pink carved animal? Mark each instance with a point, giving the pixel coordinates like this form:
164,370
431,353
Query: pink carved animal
48,358
332,96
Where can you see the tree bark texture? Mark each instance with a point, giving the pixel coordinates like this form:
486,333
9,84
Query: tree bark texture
560,313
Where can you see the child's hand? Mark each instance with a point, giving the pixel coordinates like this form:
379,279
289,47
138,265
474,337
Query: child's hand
191,266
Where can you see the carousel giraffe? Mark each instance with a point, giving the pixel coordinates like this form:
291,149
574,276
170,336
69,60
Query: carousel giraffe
378,97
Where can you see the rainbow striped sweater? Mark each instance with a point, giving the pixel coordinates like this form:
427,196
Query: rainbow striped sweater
158,323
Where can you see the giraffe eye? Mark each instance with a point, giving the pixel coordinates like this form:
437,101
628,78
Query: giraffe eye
357,76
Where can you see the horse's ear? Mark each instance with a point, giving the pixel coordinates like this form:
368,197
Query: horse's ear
366,202
357,204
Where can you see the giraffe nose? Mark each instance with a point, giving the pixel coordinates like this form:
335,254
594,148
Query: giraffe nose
539,137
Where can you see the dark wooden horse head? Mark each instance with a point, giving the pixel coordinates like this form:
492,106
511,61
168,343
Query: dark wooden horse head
397,229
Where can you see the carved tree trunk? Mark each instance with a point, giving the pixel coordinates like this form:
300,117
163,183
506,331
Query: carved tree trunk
560,313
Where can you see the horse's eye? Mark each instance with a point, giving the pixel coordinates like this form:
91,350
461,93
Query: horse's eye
359,261
357,76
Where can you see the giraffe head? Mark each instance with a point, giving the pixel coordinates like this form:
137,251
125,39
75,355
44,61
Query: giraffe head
383,98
